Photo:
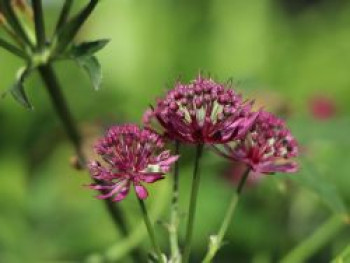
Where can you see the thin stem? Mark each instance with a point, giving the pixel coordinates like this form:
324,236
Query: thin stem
62,110
193,203
217,240
14,22
8,30
14,50
174,215
49,77
39,24
150,230
64,14
314,242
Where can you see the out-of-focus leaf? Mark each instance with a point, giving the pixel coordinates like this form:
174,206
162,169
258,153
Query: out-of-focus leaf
87,48
70,29
343,257
17,90
311,178
314,242
93,69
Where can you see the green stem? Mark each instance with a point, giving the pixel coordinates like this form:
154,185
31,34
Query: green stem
64,14
49,77
343,256
174,215
62,110
39,24
8,30
315,241
193,204
14,22
14,50
217,240
150,230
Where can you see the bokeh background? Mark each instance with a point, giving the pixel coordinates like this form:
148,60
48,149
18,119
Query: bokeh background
293,57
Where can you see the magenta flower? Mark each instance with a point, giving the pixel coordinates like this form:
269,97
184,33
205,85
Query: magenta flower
202,112
267,147
322,107
132,157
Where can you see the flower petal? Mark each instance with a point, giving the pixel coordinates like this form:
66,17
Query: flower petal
141,191
290,167
116,189
151,177
122,194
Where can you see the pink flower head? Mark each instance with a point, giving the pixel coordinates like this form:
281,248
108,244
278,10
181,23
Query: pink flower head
132,156
322,107
202,112
267,147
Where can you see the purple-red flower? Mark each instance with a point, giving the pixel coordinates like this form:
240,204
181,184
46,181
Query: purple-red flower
202,112
267,148
131,157
322,107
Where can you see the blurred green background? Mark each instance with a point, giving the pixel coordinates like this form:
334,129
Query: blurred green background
291,56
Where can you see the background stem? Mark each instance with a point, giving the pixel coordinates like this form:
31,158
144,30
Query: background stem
61,108
150,230
39,24
64,14
14,22
193,204
14,50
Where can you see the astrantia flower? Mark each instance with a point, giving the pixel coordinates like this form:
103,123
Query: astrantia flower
131,157
202,112
267,148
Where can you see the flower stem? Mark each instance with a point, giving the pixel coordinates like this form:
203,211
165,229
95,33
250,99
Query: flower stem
39,24
57,98
49,77
150,230
174,215
216,241
64,14
12,49
12,19
193,204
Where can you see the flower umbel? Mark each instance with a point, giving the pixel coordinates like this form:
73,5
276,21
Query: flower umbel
131,156
202,112
267,147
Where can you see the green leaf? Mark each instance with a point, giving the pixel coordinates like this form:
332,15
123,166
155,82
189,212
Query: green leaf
311,178
93,69
88,48
67,33
17,90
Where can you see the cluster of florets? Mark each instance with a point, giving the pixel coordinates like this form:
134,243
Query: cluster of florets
132,157
266,148
201,112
